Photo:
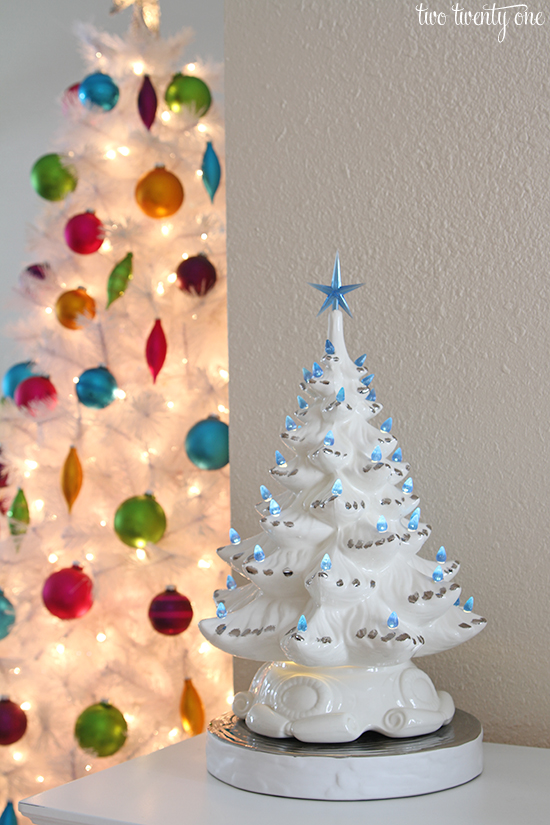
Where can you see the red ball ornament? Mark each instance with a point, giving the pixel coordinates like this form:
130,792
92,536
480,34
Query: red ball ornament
13,721
36,395
170,613
196,275
84,233
67,593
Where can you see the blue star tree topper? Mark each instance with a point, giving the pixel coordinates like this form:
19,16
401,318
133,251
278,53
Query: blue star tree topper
336,292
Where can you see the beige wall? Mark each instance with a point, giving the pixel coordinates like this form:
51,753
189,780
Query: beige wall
423,155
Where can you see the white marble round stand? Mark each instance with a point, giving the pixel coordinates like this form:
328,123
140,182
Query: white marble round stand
372,767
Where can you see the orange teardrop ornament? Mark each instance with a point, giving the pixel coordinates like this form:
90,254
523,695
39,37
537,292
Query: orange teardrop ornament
191,710
71,477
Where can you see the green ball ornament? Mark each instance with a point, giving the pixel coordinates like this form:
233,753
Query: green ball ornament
51,179
189,92
140,520
101,729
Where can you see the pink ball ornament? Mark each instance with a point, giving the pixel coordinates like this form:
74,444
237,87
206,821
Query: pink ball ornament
67,593
84,233
36,394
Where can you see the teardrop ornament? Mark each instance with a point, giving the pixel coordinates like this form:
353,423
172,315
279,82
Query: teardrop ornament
211,171
118,279
155,350
71,477
147,102
382,525
234,537
191,709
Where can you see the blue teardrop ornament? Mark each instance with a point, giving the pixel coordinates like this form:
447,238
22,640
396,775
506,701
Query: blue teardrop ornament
211,171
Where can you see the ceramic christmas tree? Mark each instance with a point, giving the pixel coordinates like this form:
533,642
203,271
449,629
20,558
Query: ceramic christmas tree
338,600
114,443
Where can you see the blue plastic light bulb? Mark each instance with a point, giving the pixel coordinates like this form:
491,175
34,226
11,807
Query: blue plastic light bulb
307,375
326,563
290,424
317,370
393,621
469,605
337,488
371,396
441,555
302,403
221,611
367,379
398,455
376,454
274,508
230,583
415,518
280,459
387,425
437,575
407,486
361,360
234,537
266,495
381,525
341,395
259,554
302,624
329,347
328,440
457,603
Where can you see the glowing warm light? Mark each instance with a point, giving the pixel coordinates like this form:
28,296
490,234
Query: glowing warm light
120,394
229,698
103,523
88,768
129,717
160,288
172,278
27,474
153,451
89,556
101,637
222,409
204,236
194,490
48,310
60,648
141,554
17,670
52,558
166,116
184,360
25,706
138,68
223,374
201,127
206,647
170,405
76,379
17,756
199,173
166,229
185,256
98,54
38,504
110,154
39,778
190,67
145,456
203,564
194,316
123,150
173,733
106,246
32,465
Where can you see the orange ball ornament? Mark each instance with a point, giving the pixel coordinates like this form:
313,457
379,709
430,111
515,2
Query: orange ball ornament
73,306
159,193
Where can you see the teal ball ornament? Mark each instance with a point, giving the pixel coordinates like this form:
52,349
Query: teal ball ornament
14,376
7,615
101,729
98,91
139,520
52,179
96,388
207,444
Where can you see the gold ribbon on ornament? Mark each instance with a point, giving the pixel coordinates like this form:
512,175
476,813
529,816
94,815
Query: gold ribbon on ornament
146,12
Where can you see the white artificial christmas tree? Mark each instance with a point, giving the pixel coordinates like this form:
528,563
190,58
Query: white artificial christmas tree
114,455
338,601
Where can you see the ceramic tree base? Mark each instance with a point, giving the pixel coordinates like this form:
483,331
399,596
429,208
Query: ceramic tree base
372,767
339,704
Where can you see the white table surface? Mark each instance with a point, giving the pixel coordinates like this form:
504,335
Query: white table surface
172,787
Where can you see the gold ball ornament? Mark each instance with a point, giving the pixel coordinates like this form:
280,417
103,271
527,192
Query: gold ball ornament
74,306
159,193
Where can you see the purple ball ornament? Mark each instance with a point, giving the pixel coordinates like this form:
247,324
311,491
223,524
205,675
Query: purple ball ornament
170,612
196,275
